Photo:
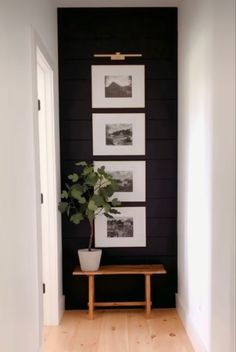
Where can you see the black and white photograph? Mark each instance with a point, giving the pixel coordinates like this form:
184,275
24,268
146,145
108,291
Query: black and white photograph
118,86
127,229
119,134
120,227
130,177
124,180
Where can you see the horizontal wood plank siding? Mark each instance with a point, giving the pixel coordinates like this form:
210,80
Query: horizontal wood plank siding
152,32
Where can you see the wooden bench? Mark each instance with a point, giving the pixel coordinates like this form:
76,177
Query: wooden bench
146,270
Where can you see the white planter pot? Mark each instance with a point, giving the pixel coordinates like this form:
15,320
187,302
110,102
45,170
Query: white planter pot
89,260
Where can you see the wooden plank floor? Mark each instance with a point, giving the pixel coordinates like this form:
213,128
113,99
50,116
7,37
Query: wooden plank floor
118,331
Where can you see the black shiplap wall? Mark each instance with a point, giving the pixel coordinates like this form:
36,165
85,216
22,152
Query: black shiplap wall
152,32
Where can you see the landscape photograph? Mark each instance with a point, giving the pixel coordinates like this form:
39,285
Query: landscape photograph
120,227
119,134
124,180
118,86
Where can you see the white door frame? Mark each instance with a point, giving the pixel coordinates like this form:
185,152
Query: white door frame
49,235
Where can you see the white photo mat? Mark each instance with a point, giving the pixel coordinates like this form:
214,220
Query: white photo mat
131,176
127,229
119,134
118,86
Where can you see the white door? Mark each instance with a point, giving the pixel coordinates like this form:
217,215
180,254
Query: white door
48,181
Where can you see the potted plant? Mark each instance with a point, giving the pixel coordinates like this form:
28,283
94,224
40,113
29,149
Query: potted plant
89,193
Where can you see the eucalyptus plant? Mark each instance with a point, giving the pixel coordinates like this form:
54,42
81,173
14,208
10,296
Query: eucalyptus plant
87,194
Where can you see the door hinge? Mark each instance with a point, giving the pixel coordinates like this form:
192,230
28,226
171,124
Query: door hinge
41,196
39,105
44,288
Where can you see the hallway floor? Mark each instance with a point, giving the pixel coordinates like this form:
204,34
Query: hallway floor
118,331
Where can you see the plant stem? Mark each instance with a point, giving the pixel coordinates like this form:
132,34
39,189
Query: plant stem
91,235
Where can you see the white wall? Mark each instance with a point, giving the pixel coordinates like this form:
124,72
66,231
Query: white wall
20,298
206,173
223,295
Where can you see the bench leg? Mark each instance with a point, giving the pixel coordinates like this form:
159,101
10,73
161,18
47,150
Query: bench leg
148,294
91,295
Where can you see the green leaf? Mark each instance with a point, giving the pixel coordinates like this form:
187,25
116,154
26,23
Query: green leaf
98,200
115,202
73,177
82,200
64,194
78,187
87,170
62,207
76,193
101,170
114,185
92,205
107,208
109,191
81,163
102,192
91,179
76,218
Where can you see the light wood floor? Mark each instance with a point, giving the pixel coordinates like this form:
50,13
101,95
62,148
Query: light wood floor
118,331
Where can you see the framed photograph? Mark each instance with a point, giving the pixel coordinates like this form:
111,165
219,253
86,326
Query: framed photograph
130,176
118,134
127,229
118,86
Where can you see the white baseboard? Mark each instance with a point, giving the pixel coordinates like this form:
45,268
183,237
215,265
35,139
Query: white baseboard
193,335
